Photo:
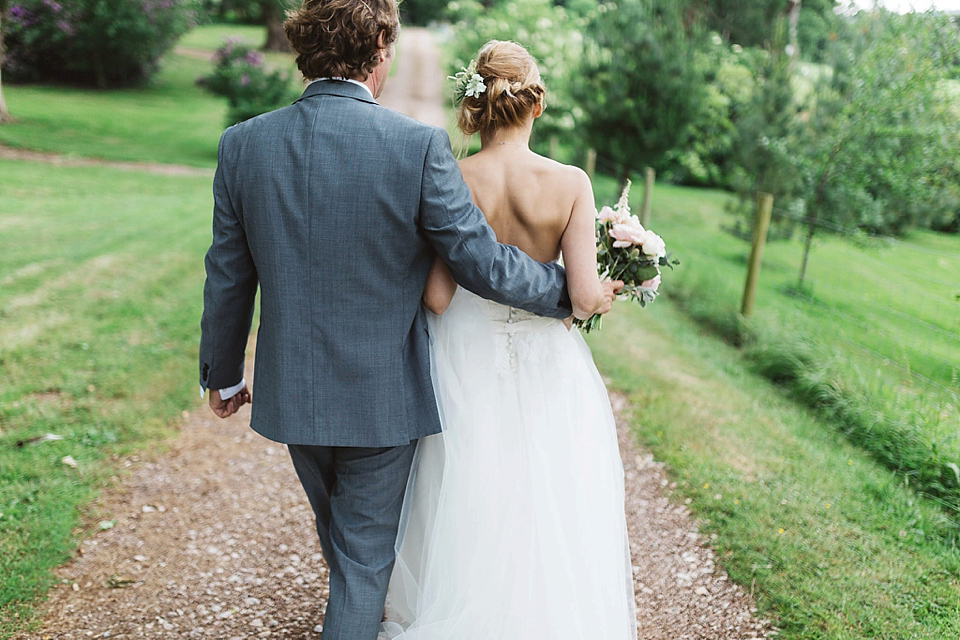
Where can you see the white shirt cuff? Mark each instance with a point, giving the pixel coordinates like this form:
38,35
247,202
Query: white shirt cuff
229,392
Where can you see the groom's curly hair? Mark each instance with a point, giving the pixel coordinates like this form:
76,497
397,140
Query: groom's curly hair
339,38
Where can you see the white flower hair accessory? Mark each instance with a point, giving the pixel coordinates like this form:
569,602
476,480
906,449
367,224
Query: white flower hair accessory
467,83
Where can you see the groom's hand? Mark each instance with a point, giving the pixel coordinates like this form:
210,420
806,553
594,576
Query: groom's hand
225,408
610,290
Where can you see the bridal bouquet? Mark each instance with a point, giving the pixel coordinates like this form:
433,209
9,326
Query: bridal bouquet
626,251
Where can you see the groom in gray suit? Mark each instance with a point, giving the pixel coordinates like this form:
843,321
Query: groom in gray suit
336,207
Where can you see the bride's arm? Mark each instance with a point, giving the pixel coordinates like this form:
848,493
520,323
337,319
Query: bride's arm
579,247
440,287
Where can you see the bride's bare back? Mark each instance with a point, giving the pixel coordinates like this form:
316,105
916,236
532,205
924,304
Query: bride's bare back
544,208
526,198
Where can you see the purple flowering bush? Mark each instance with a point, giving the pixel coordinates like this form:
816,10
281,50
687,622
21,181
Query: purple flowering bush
104,43
250,87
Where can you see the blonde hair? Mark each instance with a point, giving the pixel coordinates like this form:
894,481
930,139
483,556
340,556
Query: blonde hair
513,89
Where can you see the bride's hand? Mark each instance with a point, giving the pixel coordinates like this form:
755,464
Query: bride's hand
568,322
610,290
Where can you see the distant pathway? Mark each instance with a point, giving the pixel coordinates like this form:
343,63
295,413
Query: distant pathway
214,538
416,87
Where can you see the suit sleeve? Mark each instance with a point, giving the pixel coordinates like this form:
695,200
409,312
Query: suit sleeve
461,236
229,290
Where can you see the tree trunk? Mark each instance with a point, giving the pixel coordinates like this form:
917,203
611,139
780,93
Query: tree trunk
4,112
806,250
812,219
276,36
794,19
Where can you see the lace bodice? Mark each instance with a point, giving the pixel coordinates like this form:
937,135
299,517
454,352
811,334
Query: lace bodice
521,336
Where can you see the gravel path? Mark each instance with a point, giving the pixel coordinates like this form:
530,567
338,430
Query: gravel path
214,538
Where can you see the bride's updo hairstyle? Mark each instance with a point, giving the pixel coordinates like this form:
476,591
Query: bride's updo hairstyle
513,89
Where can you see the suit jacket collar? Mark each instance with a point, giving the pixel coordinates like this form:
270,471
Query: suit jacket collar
339,88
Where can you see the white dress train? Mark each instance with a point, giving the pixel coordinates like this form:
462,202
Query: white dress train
513,526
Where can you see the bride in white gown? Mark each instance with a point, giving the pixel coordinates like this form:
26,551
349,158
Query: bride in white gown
513,525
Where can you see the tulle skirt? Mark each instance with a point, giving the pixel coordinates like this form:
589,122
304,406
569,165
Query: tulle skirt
513,526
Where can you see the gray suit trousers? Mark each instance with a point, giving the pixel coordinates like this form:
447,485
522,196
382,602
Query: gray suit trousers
356,494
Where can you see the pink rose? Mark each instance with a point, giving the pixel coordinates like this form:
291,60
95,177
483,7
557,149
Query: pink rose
628,233
652,283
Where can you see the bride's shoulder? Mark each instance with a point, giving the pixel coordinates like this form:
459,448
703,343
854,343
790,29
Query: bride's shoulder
566,177
565,171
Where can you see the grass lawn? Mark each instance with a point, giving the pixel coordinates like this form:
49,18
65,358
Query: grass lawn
886,315
833,546
209,37
100,295
170,121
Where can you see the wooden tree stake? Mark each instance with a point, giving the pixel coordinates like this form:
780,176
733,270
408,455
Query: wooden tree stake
760,226
591,167
649,177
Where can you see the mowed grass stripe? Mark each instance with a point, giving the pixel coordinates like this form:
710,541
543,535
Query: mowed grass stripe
99,320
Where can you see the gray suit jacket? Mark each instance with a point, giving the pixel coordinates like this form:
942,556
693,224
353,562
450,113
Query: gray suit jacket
336,207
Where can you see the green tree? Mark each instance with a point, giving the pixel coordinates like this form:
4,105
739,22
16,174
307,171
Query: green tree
764,154
422,12
873,136
752,23
945,214
640,83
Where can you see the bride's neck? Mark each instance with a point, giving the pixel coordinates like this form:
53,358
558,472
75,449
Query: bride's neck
514,136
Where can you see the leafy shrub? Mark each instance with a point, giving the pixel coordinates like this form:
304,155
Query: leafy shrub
92,42
250,88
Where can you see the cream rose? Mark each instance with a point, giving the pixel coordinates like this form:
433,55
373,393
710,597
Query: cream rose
653,245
